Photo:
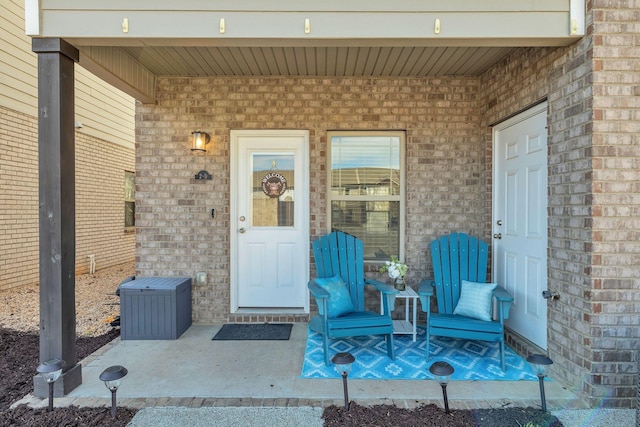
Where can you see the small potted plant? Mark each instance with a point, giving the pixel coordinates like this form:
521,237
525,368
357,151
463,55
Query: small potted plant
396,271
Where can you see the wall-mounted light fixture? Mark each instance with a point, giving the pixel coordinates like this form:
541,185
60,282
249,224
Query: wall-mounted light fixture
199,140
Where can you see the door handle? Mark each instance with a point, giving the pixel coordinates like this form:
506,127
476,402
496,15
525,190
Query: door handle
242,230
497,236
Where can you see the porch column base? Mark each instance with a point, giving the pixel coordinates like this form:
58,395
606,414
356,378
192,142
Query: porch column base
68,381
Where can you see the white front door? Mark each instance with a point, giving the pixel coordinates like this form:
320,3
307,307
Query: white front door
269,220
520,219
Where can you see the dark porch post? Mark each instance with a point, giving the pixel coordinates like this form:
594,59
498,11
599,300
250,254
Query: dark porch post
56,160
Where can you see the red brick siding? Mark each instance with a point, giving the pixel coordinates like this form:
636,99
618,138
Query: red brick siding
444,152
594,214
591,88
613,303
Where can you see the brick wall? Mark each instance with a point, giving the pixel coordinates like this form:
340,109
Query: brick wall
613,303
99,201
562,76
176,236
594,213
100,169
519,81
593,164
19,200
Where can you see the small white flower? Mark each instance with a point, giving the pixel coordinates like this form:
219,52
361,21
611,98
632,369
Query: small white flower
394,273
394,268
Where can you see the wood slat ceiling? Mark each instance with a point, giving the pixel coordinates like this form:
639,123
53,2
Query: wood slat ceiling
317,61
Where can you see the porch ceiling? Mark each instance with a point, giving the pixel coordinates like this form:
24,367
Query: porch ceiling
130,43
347,61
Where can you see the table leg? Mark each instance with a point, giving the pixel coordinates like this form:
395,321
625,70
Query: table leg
415,318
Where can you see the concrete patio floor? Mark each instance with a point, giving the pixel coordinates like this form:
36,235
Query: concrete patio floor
196,371
194,381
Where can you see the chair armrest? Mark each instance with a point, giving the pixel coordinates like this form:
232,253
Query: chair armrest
502,295
317,291
426,288
382,287
504,301
389,294
321,296
425,292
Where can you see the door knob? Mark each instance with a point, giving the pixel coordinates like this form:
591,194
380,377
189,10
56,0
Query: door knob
242,230
497,236
499,222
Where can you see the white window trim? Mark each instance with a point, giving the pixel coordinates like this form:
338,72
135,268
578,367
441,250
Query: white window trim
401,197
126,173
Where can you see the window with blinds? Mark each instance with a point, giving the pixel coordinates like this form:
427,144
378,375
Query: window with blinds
129,199
366,197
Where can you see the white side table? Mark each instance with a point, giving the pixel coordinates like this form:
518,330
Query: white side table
408,325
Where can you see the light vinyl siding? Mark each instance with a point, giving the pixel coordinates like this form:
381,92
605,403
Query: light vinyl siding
18,65
105,112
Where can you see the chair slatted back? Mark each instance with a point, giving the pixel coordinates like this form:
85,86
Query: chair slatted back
343,254
455,258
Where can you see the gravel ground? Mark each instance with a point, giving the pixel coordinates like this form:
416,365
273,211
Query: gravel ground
96,302
598,417
228,417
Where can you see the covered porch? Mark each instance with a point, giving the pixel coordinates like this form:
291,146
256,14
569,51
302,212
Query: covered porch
194,371
442,73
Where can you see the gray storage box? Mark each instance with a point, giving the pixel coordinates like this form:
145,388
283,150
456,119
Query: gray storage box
155,308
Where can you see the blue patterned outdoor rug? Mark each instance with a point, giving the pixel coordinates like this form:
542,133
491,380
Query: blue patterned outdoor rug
472,360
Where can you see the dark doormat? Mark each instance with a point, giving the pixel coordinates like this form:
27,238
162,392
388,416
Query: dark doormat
254,331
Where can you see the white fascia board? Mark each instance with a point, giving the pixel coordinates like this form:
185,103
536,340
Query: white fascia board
32,17
164,25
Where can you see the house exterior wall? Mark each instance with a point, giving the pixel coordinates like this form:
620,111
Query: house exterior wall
104,150
448,185
613,310
593,253
100,230
175,232
594,214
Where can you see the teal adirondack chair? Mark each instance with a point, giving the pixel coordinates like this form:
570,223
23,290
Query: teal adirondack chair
457,258
341,256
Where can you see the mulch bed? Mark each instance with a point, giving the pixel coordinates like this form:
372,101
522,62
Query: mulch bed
433,416
19,358
71,416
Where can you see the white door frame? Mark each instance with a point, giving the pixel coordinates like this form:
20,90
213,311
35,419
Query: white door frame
302,198
495,215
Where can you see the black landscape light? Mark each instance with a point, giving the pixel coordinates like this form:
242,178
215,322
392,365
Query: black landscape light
540,363
343,362
111,377
50,372
442,371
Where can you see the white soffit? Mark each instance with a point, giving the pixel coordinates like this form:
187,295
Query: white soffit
139,40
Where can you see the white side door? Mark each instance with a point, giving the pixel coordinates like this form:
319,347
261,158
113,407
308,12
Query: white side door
269,220
520,219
